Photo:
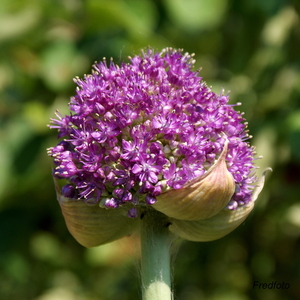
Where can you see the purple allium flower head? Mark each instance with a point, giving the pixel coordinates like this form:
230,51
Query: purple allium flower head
146,127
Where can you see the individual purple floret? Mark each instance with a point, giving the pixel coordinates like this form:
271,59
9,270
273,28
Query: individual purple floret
144,127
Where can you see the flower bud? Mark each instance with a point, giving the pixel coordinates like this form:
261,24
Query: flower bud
135,135
202,197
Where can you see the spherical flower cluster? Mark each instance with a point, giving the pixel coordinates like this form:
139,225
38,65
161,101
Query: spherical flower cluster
146,127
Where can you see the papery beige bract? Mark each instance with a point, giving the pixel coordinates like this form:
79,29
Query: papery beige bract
92,225
219,225
201,198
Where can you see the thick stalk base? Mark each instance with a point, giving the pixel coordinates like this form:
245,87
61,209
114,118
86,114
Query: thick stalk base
155,262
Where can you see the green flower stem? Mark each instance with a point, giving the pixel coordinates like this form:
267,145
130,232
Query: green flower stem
155,261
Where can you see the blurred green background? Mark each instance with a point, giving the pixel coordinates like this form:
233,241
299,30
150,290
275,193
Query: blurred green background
251,48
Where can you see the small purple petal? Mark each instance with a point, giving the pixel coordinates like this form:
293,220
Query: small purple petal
136,169
150,200
68,191
133,212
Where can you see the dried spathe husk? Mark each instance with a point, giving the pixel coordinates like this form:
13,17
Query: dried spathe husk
213,228
92,225
219,225
202,197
